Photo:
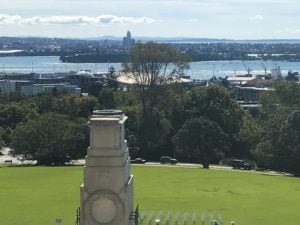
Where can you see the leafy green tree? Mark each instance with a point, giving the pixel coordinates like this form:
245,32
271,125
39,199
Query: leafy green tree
201,139
44,103
76,106
286,93
173,112
50,139
132,145
125,98
217,104
95,88
174,105
263,154
152,66
11,97
131,133
2,141
15,112
6,136
266,150
154,137
268,104
288,151
106,99
248,137
279,148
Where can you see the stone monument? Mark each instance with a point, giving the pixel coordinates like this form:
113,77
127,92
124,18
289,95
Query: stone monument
107,192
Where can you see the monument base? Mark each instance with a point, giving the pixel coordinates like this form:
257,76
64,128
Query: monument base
107,192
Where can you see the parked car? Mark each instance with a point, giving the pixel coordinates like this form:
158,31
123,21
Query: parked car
167,160
241,164
138,161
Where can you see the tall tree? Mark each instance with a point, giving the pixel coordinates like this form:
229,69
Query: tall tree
217,104
151,65
44,102
279,148
76,106
288,151
201,139
50,139
248,137
15,112
106,98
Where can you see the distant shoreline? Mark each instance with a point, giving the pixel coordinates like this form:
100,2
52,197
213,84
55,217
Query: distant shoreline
165,39
198,70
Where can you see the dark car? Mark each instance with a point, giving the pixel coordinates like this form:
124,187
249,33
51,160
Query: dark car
138,161
241,164
167,160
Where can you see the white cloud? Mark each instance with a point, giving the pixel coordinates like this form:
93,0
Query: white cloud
152,18
102,19
257,17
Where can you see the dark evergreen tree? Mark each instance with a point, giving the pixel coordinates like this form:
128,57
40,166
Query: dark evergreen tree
201,140
51,139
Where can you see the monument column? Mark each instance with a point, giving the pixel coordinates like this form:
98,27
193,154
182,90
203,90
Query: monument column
107,192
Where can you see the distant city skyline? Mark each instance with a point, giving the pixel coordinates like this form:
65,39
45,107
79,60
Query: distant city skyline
230,19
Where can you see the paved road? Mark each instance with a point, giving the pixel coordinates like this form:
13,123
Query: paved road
18,161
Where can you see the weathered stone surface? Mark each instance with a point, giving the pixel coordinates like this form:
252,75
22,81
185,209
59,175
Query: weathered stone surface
107,192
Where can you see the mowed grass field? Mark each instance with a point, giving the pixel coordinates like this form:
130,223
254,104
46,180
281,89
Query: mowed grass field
38,195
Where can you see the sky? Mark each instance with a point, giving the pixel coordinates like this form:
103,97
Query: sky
232,19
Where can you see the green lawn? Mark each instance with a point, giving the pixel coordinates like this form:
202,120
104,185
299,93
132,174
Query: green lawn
38,195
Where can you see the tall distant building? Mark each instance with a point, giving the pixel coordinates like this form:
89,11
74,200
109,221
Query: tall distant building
128,41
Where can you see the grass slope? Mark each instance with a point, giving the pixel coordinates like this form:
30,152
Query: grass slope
38,195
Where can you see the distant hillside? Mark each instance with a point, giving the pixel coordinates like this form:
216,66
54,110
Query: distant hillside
197,40
160,39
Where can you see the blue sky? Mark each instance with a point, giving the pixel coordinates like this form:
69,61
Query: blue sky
237,19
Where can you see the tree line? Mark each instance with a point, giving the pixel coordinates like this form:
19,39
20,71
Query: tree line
196,124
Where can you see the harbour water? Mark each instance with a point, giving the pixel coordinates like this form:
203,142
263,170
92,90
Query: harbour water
198,70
